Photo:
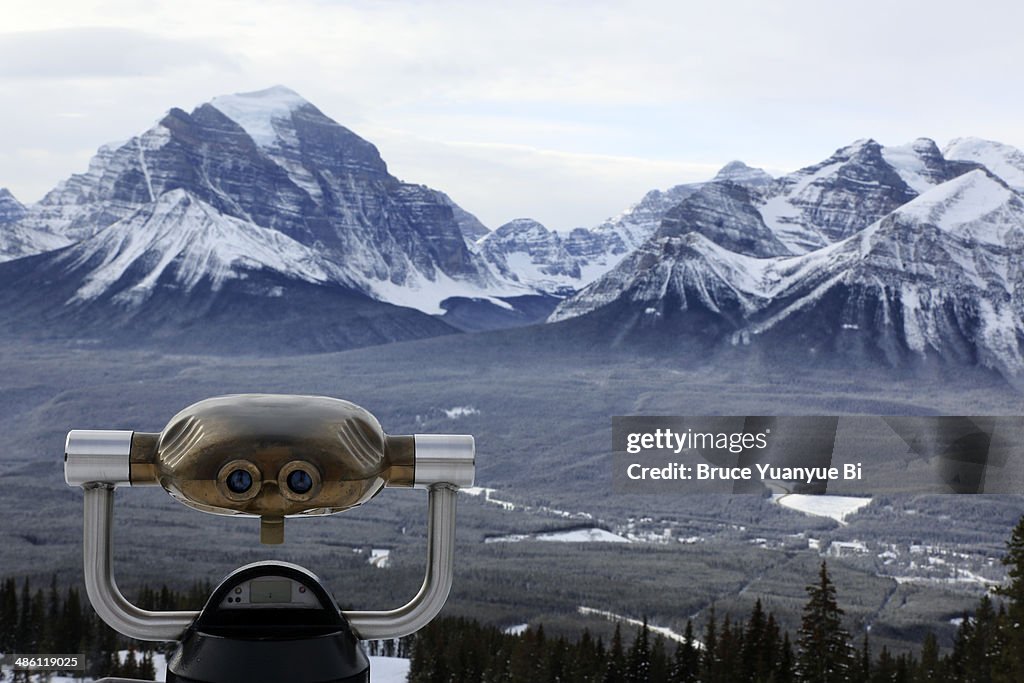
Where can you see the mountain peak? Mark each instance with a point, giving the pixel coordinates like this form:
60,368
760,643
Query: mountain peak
738,172
10,208
521,225
925,146
276,96
256,111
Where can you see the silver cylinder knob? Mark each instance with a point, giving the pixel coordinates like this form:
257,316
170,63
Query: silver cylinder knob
98,456
445,459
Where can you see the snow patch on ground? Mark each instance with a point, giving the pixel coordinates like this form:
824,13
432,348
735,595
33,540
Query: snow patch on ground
456,412
834,507
389,670
663,631
593,535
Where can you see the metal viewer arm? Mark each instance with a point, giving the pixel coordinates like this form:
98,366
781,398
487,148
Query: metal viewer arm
431,597
106,598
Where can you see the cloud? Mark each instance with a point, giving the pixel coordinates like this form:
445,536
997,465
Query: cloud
100,53
564,111
499,182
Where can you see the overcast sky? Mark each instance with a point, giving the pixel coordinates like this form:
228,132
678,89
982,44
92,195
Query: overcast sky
566,112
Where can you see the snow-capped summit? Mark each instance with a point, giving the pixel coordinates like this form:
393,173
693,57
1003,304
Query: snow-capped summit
1004,160
260,113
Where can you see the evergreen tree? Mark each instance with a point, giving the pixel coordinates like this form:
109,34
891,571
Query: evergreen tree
51,627
884,670
37,623
861,669
23,632
726,664
756,656
1010,667
130,666
660,665
8,615
708,665
638,663
823,645
928,671
615,670
785,671
980,651
686,663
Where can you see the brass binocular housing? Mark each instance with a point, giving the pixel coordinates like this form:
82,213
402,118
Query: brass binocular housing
271,456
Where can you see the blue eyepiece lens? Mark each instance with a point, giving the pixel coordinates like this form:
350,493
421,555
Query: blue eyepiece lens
300,482
239,481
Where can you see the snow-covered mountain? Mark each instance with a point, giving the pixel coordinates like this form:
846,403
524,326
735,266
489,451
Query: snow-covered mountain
273,161
1005,161
527,252
18,240
259,203
628,230
941,276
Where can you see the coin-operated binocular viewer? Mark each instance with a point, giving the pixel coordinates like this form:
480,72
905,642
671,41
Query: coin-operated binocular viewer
271,457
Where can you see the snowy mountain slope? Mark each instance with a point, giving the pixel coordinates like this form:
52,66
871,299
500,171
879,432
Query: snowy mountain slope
274,161
941,276
182,241
1003,160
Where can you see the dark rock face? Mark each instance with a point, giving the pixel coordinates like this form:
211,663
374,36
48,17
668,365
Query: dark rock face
847,192
723,212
